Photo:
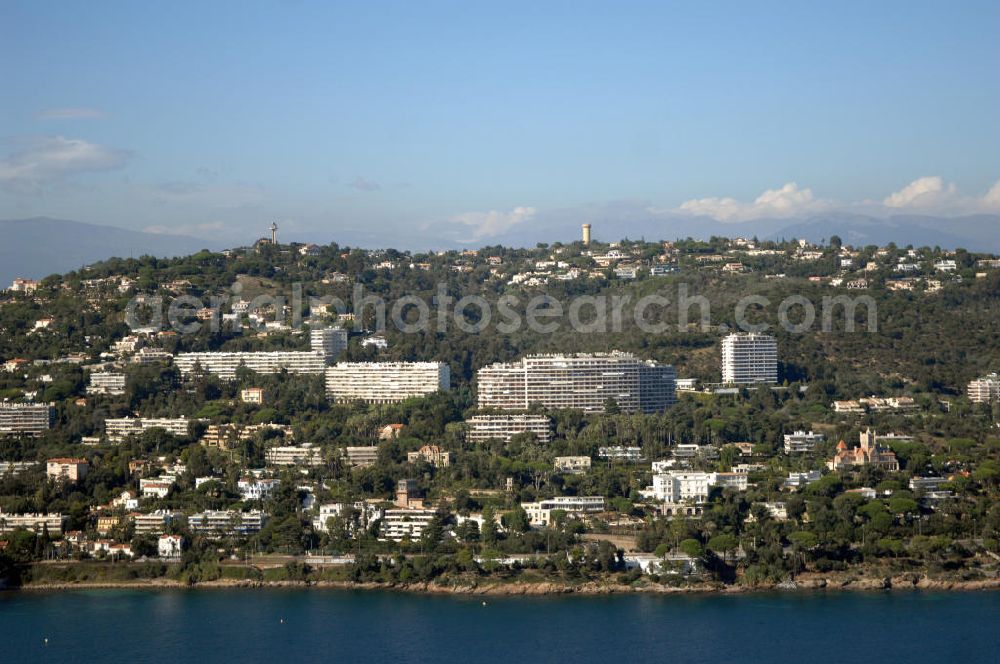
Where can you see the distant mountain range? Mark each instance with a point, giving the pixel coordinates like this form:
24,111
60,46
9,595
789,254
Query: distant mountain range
37,247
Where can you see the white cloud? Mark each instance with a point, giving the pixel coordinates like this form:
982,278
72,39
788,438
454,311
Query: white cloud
70,114
494,222
991,201
787,201
925,192
41,161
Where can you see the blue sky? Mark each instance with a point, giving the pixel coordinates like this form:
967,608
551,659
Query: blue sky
465,120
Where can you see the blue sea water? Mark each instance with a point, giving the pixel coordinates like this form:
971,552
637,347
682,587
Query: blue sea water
287,626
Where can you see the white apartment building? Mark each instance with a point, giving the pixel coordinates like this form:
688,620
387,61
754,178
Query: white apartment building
330,341
400,524
225,364
30,419
504,427
255,488
227,522
118,429
361,456
252,395
584,381
801,442
573,465
362,515
69,469
106,382
16,467
169,546
385,382
155,487
294,455
540,513
799,480
621,453
749,358
679,486
36,522
155,522
985,389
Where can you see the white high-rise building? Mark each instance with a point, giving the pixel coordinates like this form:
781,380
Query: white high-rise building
505,427
385,382
330,341
106,382
119,428
225,364
985,389
678,486
30,419
585,381
749,358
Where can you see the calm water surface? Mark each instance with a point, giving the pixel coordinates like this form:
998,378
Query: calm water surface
337,626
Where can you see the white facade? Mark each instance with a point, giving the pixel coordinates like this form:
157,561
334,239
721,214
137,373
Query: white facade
675,486
169,546
574,465
330,341
155,522
36,522
749,358
385,382
985,389
504,427
400,524
30,419
585,382
227,522
540,513
294,455
225,364
118,429
798,480
252,488
106,382
802,442
365,514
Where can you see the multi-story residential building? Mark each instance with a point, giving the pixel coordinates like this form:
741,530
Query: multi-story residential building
29,419
36,522
155,522
170,546
573,465
252,395
357,515
330,341
926,483
16,467
678,486
225,364
155,487
294,455
359,457
385,382
504,427
540,513
152,356
257,488
106,382
749,358
799,480
118,429
226,436
20,285
588,382
849,406
869,453
227,522
802,442
985,389
432,454
402,524
621,453
67,469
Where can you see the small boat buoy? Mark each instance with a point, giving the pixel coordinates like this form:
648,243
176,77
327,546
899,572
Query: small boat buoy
46,641
282,621
484,603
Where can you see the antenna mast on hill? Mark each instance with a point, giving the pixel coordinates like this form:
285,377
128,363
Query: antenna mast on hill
274,233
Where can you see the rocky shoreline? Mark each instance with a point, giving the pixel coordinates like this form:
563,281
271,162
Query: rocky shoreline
542,588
